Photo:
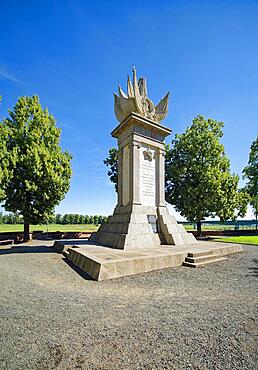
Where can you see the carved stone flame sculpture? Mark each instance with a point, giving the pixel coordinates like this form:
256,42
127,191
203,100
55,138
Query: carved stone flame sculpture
137,101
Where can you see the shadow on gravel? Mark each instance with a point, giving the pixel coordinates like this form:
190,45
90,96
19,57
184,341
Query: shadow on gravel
27,249
254,269
74,241
83,274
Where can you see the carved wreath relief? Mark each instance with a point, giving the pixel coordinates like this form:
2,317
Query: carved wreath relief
148,155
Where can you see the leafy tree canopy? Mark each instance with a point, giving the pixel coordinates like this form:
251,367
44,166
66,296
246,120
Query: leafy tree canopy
39,172
4,158
198,178
250,172
112,162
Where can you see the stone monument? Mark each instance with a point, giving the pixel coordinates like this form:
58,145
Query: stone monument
141,218
141,235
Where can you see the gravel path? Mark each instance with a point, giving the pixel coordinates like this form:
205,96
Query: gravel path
178,318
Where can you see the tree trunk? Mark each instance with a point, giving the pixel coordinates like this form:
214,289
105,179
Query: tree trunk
199,228
26,232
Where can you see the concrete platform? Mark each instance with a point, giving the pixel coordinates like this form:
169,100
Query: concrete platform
102,263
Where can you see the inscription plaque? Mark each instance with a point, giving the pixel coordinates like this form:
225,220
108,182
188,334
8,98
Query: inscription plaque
152,219
147,177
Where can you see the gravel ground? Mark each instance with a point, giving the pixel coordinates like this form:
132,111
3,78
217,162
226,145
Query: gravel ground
178,318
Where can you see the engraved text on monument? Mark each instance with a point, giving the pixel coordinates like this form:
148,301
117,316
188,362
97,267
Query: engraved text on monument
147,177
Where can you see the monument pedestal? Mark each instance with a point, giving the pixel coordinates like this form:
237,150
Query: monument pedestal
141,218
136,226
102,263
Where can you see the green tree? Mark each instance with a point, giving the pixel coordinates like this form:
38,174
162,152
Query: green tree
70,218
51,219
19,219
96,220
65,219
58,218
5,171
39,172
10,219
250,173
81,220
242,202
112,163
198,178
77,219
87,219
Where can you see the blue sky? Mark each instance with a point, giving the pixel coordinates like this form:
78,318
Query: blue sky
74,53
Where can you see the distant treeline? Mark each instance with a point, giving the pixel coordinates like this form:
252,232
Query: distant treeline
10,218
71,218
68,218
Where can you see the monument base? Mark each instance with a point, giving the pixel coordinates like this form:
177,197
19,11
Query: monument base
138,227
102,263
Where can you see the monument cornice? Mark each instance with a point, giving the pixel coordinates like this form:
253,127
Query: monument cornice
134,118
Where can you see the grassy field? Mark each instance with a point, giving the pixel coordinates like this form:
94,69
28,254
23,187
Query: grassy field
206,227
89,228
72,227
218,227
249,239
52,227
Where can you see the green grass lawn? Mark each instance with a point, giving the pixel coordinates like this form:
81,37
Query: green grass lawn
217,227
206,227
248,239
91,228
52,227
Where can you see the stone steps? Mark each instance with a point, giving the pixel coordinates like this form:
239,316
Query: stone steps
199,254
200,259
66,253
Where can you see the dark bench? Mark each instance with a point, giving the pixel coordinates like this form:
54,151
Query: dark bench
5,242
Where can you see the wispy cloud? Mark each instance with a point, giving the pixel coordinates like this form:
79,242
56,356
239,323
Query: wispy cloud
6,75
94,150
